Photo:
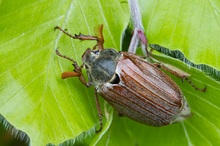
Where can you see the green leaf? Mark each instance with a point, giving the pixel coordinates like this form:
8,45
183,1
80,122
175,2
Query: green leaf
37,101
33,97
9,135
190,26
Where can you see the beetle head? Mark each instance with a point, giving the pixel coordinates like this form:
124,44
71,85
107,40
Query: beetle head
90,56
100,65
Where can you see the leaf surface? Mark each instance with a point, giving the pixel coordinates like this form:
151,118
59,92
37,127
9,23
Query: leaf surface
36,100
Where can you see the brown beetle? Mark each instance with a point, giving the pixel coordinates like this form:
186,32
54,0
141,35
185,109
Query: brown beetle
135,87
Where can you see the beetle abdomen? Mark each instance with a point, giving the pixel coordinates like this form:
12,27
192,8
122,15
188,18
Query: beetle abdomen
143,93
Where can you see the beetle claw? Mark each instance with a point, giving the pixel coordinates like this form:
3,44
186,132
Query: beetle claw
194,86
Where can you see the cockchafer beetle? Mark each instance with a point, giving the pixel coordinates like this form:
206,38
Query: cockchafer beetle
135,87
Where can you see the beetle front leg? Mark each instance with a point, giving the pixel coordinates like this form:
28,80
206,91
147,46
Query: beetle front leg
77,72
79,36
99,38
179,73
99,111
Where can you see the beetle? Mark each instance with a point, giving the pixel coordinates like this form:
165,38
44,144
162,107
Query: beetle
135,87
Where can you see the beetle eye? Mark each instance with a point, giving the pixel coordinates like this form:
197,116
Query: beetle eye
115,79
86,67
96,52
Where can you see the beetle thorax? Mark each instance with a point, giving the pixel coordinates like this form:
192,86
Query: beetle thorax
100,65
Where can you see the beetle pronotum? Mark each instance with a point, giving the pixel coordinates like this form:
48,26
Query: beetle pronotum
135,87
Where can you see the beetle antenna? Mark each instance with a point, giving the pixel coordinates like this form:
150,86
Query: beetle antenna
63,56
99,111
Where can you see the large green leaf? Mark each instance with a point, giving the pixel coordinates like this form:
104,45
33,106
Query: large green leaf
50,110
34,98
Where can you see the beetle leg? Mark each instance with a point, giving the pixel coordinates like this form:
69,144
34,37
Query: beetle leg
99,111
83,80
179,73
99,38
199,89
175,71
80,36
77,72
